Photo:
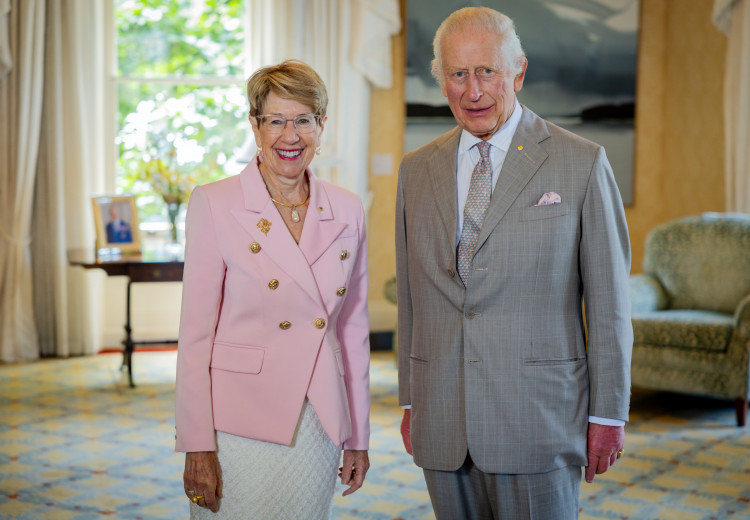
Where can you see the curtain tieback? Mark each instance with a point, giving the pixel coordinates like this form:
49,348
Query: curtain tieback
18,241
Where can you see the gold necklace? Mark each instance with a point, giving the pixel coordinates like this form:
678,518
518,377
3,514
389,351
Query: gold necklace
295,215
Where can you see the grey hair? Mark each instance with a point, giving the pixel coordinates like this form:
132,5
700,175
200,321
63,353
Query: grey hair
476,20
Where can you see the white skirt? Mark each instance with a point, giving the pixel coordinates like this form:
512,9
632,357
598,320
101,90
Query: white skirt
267,481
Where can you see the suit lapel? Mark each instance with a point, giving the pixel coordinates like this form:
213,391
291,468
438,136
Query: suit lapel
278,243
441,169
525,157
321,229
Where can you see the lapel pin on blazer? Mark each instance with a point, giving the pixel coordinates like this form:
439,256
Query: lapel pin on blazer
264,225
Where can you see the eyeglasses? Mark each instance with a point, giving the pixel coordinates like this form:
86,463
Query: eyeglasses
276,123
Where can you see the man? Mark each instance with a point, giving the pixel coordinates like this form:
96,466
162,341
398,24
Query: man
118,230
497,249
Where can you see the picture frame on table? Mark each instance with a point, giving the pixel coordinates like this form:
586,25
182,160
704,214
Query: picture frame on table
116,220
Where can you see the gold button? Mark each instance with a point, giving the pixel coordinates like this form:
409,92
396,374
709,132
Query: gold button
320,323
344,254
273,284
284,325
340,291
255,247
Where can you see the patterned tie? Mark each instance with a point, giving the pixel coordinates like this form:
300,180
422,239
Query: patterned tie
477,201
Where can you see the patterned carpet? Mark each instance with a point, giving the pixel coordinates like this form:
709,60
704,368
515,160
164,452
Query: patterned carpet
76,443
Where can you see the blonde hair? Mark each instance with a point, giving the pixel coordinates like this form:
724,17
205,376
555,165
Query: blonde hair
478,20
290,79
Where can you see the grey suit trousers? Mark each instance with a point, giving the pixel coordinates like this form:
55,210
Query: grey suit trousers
471,494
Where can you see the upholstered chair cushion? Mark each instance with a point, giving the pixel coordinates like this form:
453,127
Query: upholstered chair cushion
686,329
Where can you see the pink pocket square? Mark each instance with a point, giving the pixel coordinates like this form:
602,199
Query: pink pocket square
549,198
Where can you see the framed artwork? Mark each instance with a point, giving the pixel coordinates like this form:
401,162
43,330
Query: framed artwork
116,220
581,75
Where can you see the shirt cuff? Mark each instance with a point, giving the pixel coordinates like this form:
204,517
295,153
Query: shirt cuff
606,422
406,407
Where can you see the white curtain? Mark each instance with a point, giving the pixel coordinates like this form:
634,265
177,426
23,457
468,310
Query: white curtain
21,94
72,166
5,60
348,42
733,18
51,159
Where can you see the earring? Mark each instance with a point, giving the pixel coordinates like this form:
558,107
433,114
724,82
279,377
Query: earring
259,152
317,151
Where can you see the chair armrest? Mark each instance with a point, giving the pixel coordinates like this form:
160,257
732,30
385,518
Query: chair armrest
646,294
389,290
742,317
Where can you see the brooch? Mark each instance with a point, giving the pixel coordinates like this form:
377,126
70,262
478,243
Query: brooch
263,225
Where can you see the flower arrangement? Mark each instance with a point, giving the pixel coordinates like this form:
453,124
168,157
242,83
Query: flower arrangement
168,181
173,185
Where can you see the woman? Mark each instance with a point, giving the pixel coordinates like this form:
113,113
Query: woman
273,358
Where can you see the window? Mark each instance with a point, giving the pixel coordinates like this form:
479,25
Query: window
181,107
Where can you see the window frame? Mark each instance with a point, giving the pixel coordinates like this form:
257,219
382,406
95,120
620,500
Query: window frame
114,81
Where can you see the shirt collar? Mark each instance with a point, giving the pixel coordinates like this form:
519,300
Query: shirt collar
500,139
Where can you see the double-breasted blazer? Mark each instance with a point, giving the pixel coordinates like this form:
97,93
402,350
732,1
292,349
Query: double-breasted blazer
266,322
501,367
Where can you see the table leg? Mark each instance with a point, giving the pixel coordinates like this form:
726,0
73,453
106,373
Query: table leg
127,353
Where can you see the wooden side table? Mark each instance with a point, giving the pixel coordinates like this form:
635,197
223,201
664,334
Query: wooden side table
145,268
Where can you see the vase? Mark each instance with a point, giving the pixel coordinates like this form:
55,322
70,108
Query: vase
173,211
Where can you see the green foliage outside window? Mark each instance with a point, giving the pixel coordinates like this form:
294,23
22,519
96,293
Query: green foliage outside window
173,112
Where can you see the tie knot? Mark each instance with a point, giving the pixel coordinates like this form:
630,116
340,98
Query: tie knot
484,149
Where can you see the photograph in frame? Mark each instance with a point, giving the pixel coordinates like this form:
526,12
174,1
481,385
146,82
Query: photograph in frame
116,220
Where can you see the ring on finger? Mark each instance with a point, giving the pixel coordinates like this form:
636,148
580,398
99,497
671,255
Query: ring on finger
620,453
196,498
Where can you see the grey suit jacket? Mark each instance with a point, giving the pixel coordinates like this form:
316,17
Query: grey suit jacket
502,367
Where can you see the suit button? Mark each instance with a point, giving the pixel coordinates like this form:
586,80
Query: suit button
341,291
320,323
344,254
255,247
284,325
451,273
273,284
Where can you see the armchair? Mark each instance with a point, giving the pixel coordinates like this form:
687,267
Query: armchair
691,309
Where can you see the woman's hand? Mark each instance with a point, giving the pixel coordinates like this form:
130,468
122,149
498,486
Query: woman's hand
202,478
352,473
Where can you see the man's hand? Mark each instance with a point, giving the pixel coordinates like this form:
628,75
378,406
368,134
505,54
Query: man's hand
353,470
604,443
406,431
202,478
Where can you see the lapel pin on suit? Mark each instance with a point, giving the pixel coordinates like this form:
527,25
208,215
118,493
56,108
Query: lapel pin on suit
520,149
264,225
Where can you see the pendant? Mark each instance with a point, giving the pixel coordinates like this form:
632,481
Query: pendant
295,215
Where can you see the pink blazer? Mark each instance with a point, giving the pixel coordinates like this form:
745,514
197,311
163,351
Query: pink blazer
266,322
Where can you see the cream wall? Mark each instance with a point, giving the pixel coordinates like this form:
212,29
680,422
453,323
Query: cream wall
679,149
679,138
387,126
